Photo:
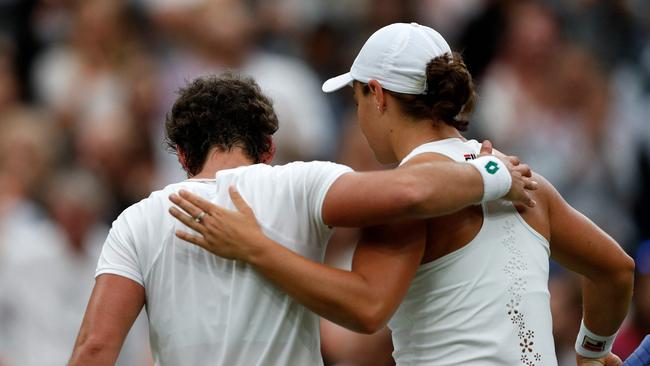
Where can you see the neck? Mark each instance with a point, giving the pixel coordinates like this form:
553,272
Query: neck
222,160
411,134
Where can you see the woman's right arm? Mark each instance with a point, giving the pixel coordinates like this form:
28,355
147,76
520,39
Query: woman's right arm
428,185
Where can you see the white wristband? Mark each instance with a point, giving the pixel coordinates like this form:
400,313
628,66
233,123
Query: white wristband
496,177
591,345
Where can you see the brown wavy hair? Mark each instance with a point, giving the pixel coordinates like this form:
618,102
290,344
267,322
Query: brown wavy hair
220,111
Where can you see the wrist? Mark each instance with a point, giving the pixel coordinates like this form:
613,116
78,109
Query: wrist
496,177
259,249
592,345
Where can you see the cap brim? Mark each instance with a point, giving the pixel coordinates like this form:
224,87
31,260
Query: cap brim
337,82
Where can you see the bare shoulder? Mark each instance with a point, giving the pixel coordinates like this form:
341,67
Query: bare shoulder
538,217
546,193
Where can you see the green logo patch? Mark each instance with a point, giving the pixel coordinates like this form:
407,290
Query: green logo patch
491,167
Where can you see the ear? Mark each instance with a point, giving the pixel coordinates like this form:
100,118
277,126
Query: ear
378,93
181,158
267,157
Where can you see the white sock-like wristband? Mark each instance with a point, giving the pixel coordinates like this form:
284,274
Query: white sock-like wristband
591,345
496,177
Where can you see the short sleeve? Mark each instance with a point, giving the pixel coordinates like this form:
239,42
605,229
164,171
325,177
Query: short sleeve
319,178
119,255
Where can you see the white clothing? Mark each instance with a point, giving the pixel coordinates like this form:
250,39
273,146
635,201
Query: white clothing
207,310
44,289
486,303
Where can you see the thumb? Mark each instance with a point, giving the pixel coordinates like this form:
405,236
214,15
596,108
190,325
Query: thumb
238,200
486,148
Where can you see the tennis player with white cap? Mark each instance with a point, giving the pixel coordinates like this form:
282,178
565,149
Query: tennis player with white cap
469,288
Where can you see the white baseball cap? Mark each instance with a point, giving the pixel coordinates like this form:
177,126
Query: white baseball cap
397,56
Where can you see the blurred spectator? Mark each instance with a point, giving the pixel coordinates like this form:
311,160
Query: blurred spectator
100,86
52,21
637,325
108,144
566,307
450,17
221,36
607,28
550,103
100,69
641,77
9,90
44,309
25,231
89,71
482,37
28,147
15,26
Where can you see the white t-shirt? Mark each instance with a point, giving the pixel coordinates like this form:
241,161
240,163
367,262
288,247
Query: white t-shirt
206,310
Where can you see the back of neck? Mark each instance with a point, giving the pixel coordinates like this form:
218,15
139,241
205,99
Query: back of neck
221,160
410,137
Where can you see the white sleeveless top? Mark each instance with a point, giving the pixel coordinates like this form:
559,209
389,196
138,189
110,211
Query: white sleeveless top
486,303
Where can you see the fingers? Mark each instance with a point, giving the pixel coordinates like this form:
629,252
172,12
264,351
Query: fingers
526,200
524,169
197,201
239,201
514,160
530,202
194,239
186,205
520,191
530,184
187,220
486,148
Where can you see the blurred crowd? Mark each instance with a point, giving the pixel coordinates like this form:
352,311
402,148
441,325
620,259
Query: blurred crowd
85,86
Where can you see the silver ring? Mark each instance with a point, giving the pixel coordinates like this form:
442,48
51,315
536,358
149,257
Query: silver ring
199,217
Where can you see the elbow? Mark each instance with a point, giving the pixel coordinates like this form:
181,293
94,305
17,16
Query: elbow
90,351
372,320
369,326
625,273
620,273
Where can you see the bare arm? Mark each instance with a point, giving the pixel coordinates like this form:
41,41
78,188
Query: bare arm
608,273
428,185
113,307
424,188
362,300
581,246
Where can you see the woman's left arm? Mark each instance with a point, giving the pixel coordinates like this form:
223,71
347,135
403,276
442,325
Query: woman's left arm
362,300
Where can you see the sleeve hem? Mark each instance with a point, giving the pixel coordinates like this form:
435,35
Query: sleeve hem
325,187
122,273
